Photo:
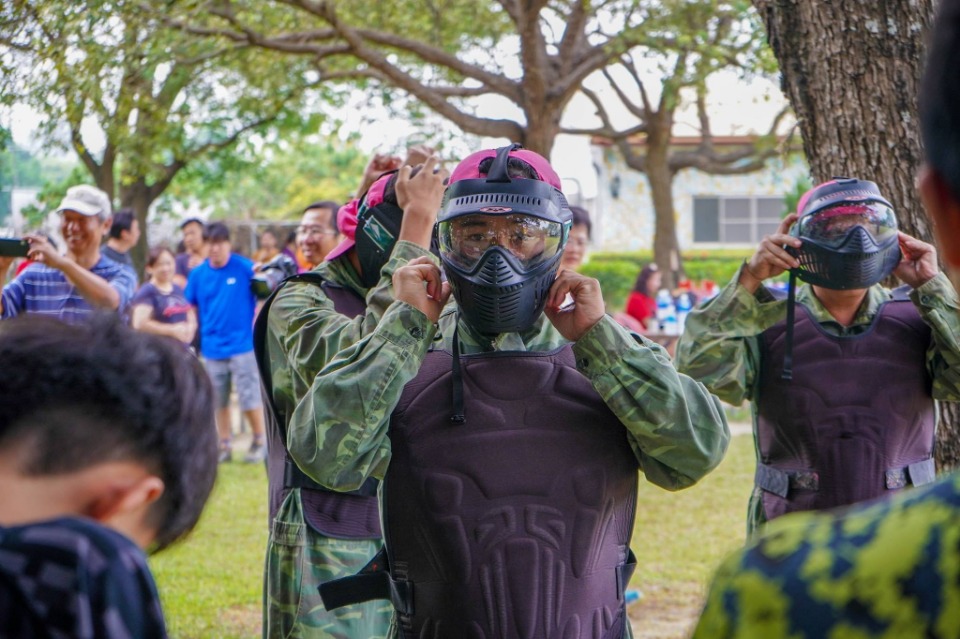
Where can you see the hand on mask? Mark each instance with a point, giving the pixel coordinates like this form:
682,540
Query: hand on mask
574,320
420,285
919,263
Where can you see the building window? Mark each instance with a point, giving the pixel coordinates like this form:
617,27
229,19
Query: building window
735,220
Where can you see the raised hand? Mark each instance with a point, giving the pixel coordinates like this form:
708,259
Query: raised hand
420,197
574,320
919,263
771,258
419,284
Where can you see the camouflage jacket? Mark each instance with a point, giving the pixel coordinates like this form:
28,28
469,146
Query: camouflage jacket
883,569
676,428
305,331
720,344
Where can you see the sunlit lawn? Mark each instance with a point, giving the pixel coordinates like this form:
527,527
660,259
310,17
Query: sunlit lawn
211,584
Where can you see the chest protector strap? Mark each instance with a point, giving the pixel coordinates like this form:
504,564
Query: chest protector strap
349,515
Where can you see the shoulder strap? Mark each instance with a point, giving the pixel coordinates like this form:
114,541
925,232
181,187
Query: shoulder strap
293,476
260,333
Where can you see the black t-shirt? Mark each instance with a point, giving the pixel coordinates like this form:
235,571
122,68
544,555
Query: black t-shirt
72,577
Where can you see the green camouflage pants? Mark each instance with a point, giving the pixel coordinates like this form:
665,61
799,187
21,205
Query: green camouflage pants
298,560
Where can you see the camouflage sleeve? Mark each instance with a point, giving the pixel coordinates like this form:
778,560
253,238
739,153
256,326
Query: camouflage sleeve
676,428
381,296
719,346
306,331
937,302
338,433
882,569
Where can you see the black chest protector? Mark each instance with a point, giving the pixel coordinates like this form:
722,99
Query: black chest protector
517,523
353,515
857,419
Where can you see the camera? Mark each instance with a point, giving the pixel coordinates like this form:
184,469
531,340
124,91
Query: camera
268,278
14,247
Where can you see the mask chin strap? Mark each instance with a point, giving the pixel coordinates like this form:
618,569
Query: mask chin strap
791,307
458,417
498,170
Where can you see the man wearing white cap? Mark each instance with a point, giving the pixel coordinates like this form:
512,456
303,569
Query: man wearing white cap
71,286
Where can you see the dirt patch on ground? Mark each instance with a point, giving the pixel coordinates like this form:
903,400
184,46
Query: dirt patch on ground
665,613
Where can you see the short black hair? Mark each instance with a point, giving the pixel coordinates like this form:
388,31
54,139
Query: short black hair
940,96
325,204
581,216
218,232
122,221
516,168
192,220
76,395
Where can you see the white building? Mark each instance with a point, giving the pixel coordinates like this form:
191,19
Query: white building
712,211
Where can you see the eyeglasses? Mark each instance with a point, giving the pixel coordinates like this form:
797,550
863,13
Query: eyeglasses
314,230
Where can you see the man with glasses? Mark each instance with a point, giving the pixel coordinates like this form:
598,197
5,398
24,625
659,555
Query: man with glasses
508,428
317,234
825,436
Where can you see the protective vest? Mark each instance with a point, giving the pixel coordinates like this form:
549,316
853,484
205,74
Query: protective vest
856,421
352,515
517,522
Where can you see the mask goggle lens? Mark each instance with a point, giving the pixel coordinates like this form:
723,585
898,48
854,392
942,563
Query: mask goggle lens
464,240
831,226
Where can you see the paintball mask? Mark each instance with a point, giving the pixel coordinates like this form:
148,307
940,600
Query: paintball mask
378,226
501,240
849,234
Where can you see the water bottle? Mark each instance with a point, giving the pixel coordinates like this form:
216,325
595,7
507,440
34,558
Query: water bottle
684,304
666,313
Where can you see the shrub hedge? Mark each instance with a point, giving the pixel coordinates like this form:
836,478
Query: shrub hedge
617,272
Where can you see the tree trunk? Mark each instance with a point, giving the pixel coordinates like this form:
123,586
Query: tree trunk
851,70
666,249
541,132
136,196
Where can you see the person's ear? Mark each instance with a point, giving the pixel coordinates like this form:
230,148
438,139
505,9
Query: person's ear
123,504
943,209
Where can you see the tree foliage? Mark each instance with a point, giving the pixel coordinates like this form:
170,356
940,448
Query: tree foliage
273,182
140,101
533,54
695,39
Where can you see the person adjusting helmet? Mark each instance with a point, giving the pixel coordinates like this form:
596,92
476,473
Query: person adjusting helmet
511,515
849,234
501,238
811,364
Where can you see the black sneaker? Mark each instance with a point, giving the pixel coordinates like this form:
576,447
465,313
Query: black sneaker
226,455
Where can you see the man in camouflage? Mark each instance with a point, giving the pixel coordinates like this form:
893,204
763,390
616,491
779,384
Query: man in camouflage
350,426
731,344
886,569
318,536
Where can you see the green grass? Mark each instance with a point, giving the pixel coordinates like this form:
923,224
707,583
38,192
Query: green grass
211,583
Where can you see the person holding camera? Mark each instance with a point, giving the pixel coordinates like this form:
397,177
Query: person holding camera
71,286
221,290
824,436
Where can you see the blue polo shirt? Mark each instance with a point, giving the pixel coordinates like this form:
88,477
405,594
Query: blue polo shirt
225,306
44,290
